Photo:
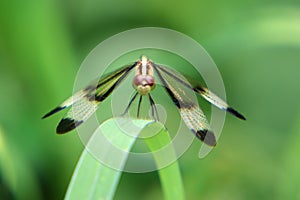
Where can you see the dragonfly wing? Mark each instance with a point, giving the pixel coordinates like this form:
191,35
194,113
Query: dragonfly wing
81,110
85,102
189,110
195,119
202,91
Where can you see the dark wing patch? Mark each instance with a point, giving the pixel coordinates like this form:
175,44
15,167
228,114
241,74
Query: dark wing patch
66,125
55,110
206,136
235,113
190,112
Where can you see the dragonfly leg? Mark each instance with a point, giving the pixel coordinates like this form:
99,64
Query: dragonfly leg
130,102
139,106
153,108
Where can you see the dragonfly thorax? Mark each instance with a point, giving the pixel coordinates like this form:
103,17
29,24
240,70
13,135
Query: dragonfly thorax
143,84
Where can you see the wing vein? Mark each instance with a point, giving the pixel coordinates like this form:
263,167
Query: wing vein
190,112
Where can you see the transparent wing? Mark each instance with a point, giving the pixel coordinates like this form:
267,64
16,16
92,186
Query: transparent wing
202,91
188,107
85,102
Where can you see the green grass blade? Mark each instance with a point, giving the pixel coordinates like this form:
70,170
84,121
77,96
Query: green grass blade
86,181
15,170
170,176
91,178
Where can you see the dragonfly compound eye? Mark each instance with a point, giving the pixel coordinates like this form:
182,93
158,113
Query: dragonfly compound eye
143,80
143,83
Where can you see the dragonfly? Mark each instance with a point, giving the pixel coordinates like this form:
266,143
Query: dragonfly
86,101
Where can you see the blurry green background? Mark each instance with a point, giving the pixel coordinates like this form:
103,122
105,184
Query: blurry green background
255,44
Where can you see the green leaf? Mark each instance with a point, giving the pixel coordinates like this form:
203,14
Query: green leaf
93,179
169,175
111,143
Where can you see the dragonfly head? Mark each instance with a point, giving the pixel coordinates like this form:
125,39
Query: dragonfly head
143,83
